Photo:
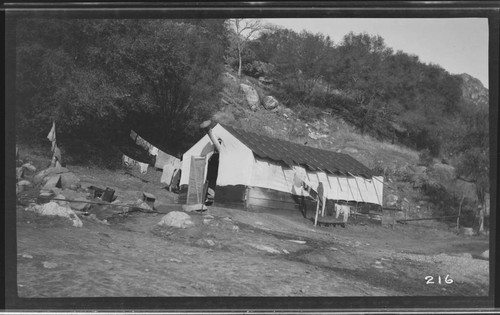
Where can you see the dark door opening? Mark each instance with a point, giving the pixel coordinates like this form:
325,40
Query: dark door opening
212,172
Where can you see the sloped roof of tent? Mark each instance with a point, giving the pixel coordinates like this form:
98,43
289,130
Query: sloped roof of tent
296,154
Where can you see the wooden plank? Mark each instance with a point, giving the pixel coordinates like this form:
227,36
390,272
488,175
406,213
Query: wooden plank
230,205
196,180
291,202
271,194
276,204
261,209
423,219
230,193
392,209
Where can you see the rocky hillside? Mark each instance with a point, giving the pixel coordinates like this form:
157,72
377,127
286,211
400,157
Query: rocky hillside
473,91
414,181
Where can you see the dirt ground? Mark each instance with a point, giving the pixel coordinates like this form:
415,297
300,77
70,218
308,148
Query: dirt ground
236,253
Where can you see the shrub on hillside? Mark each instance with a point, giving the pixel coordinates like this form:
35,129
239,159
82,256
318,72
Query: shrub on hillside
258,69
307,113
449,204
297,130
425,158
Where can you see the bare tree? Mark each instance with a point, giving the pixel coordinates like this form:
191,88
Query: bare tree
243,31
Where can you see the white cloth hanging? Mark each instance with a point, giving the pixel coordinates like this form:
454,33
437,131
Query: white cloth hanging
143,167
168,172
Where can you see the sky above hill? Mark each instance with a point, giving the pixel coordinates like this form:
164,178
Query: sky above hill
459,45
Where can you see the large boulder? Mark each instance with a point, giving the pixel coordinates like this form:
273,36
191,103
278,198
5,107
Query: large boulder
69,180
64,181
51,181
270,102
251,96
177,219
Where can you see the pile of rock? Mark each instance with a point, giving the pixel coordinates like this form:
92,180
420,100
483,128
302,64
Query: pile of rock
58,185
177,219
53,208
254,101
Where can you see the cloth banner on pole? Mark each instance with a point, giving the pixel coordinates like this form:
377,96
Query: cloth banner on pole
52,136
52,133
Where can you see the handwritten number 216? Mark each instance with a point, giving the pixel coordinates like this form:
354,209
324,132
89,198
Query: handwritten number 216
447,280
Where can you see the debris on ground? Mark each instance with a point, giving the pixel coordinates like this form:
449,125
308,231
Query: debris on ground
207,219
94,218
149,199
298,241
195,207
104,212
49,265
143,205
266,248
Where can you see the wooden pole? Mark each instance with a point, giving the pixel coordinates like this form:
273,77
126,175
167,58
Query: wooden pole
421,219
459,210
317,211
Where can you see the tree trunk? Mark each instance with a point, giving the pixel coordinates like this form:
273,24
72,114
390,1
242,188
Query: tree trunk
481,219
459,210
239,61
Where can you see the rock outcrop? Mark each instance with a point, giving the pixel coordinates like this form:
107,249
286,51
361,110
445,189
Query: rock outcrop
270,103
251,96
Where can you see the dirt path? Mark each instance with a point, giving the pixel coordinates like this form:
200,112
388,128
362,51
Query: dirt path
98,260
235,254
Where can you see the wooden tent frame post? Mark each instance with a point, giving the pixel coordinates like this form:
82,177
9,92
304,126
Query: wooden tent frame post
459,210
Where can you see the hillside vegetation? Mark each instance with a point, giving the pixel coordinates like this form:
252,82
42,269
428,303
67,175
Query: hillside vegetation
100,78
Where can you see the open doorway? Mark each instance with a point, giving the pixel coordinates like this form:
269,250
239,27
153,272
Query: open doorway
212,172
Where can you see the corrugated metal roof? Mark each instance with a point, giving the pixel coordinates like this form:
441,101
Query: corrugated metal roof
296,154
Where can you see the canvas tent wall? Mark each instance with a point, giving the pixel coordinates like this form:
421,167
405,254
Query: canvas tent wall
162,158
258,173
